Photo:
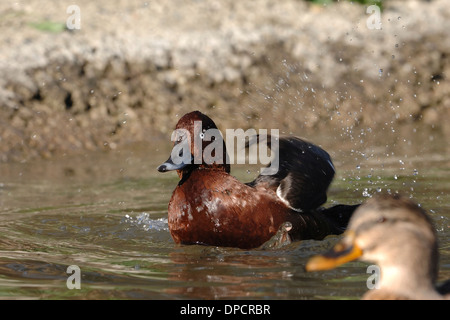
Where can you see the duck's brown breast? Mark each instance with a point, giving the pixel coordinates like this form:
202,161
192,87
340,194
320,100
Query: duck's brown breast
214,208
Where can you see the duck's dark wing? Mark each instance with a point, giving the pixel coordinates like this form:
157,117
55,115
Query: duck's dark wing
304,173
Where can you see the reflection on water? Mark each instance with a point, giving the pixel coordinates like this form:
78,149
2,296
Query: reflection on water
107,214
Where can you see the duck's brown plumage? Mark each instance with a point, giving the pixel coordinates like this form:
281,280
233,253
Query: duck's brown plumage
209,206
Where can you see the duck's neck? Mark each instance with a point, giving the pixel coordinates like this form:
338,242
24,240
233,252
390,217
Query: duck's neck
414,282
408,272
186,172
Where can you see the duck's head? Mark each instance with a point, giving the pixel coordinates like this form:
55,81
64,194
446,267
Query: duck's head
392,232
197,144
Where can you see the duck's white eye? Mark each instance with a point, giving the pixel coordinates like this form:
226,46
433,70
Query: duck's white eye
202,135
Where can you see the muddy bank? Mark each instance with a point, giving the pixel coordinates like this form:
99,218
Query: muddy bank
134,67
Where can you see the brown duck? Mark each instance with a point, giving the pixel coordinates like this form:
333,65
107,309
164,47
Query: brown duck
211,207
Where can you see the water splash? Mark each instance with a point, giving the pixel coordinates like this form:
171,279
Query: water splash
144,221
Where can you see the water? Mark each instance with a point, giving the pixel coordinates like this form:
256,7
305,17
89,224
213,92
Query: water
107,214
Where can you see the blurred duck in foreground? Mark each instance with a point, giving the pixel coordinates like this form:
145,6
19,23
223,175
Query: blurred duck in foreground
397,235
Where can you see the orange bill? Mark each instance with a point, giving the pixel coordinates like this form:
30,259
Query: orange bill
340,254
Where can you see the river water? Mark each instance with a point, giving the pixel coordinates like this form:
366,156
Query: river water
106,213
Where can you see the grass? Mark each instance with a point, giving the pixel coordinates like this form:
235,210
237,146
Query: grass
363,2
49,26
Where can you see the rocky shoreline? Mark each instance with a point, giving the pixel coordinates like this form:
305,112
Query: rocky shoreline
134,67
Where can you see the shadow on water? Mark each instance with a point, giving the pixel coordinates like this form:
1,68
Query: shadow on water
107,214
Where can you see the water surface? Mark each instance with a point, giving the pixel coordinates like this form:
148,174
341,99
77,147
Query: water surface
107,214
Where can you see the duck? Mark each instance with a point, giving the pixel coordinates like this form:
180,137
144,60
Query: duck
395,233
209,206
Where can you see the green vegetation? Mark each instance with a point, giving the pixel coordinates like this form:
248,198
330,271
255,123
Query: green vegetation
365,2
49,26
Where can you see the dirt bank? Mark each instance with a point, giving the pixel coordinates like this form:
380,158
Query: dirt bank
134,67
